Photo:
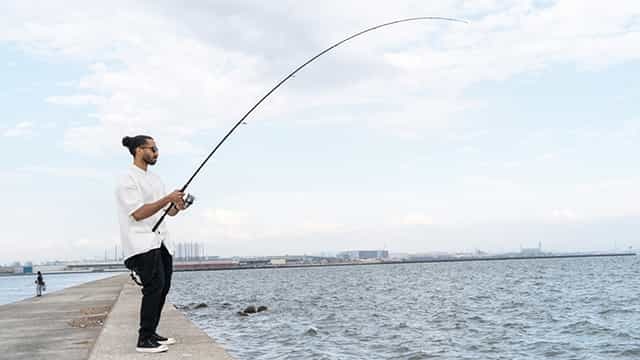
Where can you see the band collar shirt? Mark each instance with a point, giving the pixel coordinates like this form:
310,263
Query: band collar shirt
135,189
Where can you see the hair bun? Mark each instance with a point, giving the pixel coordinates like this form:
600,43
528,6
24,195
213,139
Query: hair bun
133,142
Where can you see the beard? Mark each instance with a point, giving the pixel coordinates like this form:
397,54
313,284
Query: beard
150,160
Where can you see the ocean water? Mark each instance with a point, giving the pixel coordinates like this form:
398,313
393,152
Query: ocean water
17,287
581,308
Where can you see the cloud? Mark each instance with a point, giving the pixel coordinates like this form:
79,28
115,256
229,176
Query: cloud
72,172
512,164
226,217
238,223
21,129
76,100
416,219
564,215
607,186
159,66
546,156
176,70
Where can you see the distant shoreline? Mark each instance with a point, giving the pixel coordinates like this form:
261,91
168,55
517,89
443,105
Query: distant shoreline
203,266
395,262
114,271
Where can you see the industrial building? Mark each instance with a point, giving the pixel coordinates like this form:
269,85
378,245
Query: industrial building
364,255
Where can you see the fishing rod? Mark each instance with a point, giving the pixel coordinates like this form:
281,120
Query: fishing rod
155,227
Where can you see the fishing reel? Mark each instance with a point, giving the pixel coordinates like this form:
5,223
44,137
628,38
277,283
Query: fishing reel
188,200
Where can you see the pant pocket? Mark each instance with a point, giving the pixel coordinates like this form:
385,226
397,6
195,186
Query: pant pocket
146,266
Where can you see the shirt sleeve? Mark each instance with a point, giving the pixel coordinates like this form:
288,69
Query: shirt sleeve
129,195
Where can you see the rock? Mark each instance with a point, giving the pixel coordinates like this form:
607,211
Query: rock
311,331
189,306
251,309
200,306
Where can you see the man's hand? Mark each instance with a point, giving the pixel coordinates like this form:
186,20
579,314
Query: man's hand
176,198
149,209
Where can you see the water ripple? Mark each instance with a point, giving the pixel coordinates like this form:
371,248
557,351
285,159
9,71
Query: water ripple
549,308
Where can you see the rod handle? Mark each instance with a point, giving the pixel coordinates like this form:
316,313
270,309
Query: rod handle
155,227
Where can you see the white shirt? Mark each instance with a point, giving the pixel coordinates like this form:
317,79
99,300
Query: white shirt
135,189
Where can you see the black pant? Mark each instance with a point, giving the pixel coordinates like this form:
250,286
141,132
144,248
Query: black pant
154,269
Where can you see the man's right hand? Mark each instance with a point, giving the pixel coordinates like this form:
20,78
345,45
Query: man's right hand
149,209
177,198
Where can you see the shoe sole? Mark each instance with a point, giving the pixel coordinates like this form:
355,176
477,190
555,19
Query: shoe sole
158,349
169,341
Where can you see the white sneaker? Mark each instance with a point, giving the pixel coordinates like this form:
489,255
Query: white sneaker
163,340
150,346
169,341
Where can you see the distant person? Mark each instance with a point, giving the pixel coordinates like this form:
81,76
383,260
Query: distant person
141,201
40,285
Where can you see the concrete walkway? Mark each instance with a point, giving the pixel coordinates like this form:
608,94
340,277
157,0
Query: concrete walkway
119,335
97,321
60,325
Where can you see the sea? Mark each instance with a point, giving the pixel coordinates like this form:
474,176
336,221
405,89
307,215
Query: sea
577,308
18,287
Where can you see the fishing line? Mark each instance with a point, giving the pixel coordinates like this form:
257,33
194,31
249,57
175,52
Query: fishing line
421,18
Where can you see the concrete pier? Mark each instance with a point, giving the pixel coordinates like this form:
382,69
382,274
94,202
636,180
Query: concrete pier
118,338
96,320
60,325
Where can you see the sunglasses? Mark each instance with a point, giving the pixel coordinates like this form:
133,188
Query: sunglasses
153,148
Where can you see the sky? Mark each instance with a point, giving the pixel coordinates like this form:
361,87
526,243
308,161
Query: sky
516,128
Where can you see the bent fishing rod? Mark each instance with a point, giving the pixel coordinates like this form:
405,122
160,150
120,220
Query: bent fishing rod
155,227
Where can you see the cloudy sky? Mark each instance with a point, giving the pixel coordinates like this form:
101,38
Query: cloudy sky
516,128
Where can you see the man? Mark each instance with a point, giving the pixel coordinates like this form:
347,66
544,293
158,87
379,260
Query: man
142,199
40,286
